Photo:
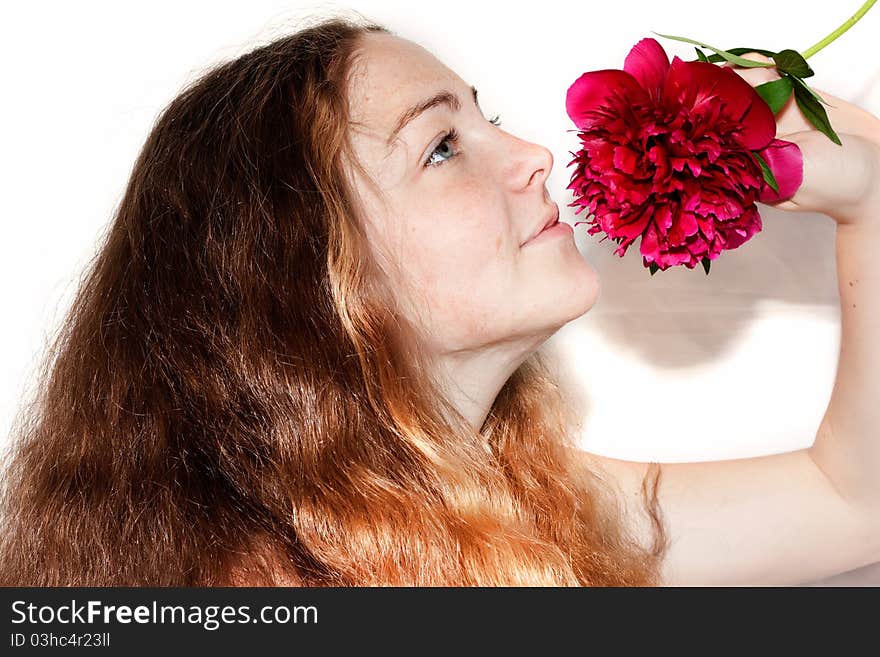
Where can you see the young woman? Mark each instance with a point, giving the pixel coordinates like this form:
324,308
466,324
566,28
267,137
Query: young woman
309,354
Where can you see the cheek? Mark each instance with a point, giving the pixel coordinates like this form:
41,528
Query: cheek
459,255
460,230
461,289
454,250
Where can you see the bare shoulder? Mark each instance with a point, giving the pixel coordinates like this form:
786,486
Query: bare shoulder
635,484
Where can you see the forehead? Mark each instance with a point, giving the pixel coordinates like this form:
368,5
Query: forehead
389,76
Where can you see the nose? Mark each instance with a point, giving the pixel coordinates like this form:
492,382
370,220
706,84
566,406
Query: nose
532,165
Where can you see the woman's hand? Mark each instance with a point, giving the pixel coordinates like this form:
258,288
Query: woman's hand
842,182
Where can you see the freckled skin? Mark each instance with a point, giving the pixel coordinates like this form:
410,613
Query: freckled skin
454,229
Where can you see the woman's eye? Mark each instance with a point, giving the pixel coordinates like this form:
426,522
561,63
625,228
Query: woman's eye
450,137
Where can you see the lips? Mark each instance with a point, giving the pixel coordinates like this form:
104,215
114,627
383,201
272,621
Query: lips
549,221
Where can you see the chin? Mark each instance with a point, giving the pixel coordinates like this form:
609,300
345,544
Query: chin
583,290
587,300
572,301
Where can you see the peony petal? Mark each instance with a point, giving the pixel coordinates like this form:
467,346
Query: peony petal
749,224
625,158
636,224
649,247
699,85
600,89
647,62
787,164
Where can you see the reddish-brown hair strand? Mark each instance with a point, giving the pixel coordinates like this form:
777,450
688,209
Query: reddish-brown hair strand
233,399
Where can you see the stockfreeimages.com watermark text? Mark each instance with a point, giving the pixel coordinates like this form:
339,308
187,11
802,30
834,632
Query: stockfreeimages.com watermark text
210,617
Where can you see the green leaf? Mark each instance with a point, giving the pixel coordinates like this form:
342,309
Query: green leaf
791,61
706,263
769,178
798,82
776,93
815,113
700,56
741,51
748,63
653,267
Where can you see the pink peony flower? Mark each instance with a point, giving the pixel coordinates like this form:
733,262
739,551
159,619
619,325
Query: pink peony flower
666,156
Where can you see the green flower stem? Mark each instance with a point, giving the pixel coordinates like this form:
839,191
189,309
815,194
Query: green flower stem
852,20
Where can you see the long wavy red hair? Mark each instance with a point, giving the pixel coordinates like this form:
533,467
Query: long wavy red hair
232,398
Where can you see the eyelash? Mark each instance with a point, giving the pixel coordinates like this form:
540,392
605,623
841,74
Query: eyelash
452,137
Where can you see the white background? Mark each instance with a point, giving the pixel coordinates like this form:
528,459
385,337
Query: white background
676,367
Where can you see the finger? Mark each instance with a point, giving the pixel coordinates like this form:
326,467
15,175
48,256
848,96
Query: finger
758,74
753,56
789,205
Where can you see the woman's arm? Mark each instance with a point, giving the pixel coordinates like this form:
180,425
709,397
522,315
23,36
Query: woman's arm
768,520
803,515
794,517
847,448
844,183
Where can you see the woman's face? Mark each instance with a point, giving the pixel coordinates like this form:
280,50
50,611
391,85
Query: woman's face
456,214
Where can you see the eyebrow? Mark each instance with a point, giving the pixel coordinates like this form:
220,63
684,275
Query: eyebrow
443,97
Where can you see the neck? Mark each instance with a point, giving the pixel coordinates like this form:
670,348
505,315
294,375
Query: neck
472,379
